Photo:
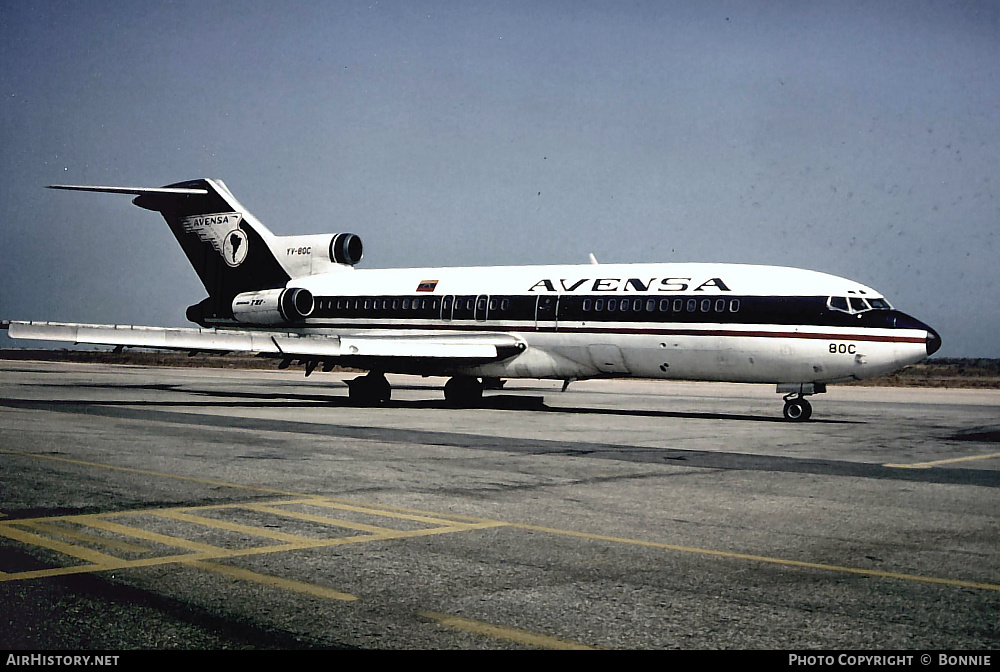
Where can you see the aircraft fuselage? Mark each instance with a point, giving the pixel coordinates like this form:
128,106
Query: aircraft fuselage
300,298
720,322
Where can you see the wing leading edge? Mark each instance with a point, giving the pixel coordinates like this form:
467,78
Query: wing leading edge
457,348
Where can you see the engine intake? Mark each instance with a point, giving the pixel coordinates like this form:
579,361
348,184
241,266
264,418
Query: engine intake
346,248
273,306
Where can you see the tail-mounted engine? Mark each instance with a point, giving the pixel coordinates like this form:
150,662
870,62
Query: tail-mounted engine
346,248
273,306
317,253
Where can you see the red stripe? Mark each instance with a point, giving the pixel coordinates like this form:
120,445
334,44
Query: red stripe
754,334
479,326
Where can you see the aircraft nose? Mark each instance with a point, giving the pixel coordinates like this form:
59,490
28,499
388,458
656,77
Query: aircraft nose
933,341
898,320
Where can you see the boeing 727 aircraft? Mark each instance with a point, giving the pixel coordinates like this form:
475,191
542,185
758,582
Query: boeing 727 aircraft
300,299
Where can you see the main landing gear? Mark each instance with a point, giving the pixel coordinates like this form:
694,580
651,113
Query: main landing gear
797,409
463,391
460,392
369,390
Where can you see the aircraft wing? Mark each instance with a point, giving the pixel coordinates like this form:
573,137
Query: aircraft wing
464,348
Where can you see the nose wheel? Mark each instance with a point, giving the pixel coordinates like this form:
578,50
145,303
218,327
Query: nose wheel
797,409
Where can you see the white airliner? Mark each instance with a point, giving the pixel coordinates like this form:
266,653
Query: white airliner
300,299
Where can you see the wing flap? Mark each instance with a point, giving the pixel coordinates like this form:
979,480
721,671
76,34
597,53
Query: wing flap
424,347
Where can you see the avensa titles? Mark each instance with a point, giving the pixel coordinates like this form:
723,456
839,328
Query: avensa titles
627,285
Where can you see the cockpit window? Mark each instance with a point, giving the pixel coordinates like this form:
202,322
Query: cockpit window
880,304
855,304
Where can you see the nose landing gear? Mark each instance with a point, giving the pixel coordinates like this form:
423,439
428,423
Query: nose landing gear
797,409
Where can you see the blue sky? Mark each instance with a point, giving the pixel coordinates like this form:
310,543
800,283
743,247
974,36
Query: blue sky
855,138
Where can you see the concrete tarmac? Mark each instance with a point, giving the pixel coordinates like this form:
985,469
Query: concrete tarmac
217,509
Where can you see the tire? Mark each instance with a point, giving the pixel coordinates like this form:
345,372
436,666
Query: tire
381,390
369,390
461,392
797,410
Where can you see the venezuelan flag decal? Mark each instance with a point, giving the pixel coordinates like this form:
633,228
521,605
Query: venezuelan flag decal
427,285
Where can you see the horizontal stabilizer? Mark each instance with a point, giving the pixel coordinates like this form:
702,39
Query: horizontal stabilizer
137,191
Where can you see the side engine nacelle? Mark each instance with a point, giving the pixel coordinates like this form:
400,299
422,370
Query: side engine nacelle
273,306
318,253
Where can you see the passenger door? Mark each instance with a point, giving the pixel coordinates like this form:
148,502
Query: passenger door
546,313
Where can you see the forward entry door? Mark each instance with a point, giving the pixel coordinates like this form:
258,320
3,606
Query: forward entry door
547,313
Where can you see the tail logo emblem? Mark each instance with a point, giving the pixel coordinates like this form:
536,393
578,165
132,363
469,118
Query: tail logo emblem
222,231
235,248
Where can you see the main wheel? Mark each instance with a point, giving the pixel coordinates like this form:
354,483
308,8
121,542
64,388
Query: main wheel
369,390
797,410
463,391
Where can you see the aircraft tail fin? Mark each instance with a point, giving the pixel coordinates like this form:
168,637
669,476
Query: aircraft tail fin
229,248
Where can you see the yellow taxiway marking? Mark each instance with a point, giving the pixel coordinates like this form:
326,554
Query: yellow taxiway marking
276,581
390,512
17,534
139,533
387,510
89,538
763,558
248,530
935,463
199,554
323,520
501,632
448,523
